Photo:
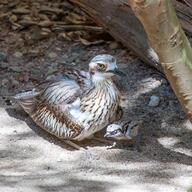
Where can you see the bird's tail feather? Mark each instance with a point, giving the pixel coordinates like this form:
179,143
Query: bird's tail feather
25,100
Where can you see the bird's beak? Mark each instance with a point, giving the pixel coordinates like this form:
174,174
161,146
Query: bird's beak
117,72
107,135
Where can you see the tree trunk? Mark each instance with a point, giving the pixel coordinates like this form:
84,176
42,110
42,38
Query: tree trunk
170,43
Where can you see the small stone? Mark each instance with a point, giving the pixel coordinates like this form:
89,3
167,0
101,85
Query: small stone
114,45
3,56
52,55
18,54
154,101
13,18
4,82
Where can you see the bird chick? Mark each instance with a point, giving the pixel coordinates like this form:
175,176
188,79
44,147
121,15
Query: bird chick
124,130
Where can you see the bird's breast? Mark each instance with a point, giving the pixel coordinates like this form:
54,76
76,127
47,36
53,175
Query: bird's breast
99,106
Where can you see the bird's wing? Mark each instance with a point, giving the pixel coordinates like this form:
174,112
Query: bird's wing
49,102
58,90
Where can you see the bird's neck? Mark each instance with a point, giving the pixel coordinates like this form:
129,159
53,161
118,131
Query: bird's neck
99,80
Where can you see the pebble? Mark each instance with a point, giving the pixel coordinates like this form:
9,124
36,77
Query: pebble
154,101
4,82
52,55
3,56
114,45
18,54
13,18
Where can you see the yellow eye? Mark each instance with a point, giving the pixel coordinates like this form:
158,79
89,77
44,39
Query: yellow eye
101,66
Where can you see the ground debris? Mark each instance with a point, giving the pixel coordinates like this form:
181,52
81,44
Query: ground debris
56,16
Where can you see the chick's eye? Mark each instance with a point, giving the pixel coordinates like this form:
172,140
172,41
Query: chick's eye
115,132
101,66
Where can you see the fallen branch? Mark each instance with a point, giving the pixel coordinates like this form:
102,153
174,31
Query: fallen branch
60,28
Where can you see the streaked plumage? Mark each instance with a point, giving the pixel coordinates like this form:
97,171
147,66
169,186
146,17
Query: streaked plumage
78,104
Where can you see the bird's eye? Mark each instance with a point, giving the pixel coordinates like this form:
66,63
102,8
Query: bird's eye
115,132
101,66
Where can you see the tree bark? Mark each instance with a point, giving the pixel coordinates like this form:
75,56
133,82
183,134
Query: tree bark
170,43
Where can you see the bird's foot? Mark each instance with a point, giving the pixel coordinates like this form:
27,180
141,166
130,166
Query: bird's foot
114,145
73,145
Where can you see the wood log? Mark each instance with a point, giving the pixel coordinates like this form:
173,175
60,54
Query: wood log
117,18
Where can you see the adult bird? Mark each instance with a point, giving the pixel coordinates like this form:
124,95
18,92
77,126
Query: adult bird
78,104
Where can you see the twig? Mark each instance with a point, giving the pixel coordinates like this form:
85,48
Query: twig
190,5
77,28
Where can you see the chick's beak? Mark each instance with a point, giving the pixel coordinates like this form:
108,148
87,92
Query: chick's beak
107,135
117,72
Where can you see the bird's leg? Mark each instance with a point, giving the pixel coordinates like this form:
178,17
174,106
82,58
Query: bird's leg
74,145
88,153
114,145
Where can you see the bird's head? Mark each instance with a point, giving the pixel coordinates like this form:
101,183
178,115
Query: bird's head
115,131
103,67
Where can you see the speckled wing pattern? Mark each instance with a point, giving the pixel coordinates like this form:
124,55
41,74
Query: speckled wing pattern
48,103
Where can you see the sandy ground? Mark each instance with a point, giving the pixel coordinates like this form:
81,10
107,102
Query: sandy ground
33,161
